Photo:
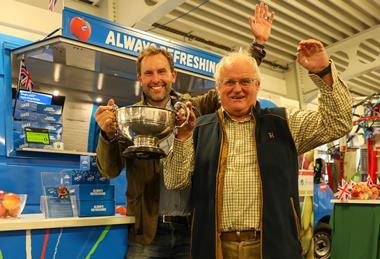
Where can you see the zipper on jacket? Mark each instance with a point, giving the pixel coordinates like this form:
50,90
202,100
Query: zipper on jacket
216,185
261,191
191,232
296,218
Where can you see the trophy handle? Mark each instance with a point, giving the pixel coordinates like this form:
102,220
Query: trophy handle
182,105
118,132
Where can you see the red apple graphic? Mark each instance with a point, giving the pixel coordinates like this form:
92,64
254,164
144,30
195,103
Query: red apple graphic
121,210
80,28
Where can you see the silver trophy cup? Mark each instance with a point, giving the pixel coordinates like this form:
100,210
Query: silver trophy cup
147,126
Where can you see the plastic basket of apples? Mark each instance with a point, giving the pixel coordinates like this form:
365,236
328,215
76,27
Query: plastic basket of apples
362,191
11,204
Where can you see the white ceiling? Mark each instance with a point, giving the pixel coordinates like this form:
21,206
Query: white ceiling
349,29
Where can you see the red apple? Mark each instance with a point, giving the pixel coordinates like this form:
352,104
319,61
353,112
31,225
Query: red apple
375,192
80,28
355,195
14,213
11,201
3,211
2,193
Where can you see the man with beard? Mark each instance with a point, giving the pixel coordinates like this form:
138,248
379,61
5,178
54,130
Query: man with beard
162,216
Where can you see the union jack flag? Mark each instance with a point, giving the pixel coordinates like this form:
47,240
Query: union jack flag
343,191
52,4
370,183
25,80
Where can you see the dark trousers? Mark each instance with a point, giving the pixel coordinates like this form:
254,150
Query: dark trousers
172,241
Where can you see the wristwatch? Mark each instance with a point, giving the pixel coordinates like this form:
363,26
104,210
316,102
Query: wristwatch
324,71
259,48
104,135
255,44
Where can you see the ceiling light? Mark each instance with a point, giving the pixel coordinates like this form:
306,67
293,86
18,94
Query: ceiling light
99,100
137,88
57,72
55,92
100,81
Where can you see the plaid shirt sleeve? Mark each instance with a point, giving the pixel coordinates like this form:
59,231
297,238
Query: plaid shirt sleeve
179,164
333,119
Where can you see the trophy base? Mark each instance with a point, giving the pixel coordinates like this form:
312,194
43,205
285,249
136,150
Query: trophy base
144,152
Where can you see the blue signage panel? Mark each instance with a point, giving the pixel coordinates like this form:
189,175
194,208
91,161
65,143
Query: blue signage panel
101,32
35,97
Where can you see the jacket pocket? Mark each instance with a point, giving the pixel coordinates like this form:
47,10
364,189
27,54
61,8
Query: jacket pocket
296,218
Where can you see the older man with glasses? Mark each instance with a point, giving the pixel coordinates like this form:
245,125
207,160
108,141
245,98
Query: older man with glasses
242,160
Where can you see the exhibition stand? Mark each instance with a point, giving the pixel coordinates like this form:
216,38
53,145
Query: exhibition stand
100,62
356,229
33,236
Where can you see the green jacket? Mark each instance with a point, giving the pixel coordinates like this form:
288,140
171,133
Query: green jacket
143,175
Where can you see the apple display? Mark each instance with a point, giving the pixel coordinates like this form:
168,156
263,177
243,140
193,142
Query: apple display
362,191
80,28
14,213
2,193
3,211
375,192
11,201
11,204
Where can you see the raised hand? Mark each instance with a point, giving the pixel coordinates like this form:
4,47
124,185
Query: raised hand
106,119
312,55
185,132
261,24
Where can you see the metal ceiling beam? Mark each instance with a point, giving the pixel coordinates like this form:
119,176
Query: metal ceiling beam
201,19
210,31
375,74
310,24
337,59
291,38
367,7
140,15
359,88
365,84
350,46
225,21
333,13
370,80
328,26
353,12
286,26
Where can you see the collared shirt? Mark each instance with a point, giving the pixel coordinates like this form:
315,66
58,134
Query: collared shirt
309,130
172,202
241,205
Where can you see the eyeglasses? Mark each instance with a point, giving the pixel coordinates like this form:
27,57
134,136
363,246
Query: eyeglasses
244,82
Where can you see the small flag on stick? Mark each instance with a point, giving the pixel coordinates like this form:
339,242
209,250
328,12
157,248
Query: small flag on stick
52,4
343,191
24,80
